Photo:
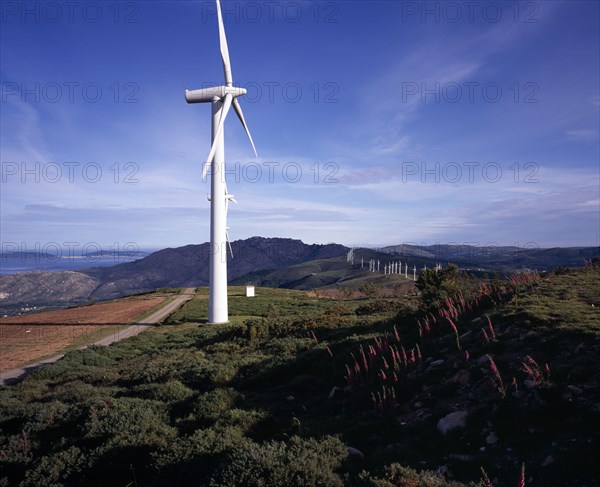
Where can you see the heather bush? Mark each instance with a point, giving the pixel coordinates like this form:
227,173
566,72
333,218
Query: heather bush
295,463
210,405
437,285
377,306
53,414
127,421
56,469
370,290
398,475
169,391
76,364
190,460
261,329
84,394
242,420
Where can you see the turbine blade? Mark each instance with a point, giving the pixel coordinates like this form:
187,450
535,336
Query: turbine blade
227,199
229,196
213,149
238,110
224,48
229,243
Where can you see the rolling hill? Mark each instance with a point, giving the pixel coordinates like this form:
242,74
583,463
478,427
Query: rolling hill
273,262
173,267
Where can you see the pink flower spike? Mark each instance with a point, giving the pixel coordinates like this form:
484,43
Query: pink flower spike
485,336
528,371
486,480
455,332
467,355
497,380
364,358
491,328
396,334
522,476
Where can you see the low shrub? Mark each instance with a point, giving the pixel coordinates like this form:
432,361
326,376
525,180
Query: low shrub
57,469
397,475
377,306
295,463
211,405
129,421
170,391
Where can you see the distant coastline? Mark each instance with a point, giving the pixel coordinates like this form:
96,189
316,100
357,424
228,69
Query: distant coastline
27,262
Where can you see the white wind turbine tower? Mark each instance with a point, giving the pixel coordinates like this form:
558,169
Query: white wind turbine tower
221,98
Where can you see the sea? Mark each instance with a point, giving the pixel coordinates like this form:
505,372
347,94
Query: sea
27,262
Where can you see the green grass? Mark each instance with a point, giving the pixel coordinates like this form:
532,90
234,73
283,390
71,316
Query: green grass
330,273
248,403
266,302
568,302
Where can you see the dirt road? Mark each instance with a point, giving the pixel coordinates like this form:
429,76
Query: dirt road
15,375
154,318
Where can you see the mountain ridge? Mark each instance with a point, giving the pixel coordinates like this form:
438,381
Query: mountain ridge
186,266
273,261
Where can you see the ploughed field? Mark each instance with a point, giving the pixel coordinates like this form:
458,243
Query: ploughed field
25,339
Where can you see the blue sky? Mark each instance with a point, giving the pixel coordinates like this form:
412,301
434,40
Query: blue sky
376,122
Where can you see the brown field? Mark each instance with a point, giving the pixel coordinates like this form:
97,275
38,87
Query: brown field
25,339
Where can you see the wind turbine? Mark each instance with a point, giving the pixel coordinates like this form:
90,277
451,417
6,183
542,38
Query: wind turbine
221,98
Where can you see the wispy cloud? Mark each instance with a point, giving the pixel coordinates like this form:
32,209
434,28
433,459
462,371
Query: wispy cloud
583,134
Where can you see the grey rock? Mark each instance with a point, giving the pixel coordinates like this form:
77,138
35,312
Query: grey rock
491,439
452,421
355,453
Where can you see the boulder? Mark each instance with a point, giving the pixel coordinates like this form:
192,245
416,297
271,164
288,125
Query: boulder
452,421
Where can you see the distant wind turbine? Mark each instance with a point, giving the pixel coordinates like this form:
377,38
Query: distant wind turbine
221,98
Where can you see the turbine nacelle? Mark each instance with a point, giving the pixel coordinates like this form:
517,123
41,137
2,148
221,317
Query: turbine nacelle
215,93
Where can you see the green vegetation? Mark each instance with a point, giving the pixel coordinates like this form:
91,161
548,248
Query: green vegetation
304,391
268,303
436,286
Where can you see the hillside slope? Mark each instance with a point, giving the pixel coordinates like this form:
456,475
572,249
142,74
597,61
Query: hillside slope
299,391
496,257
